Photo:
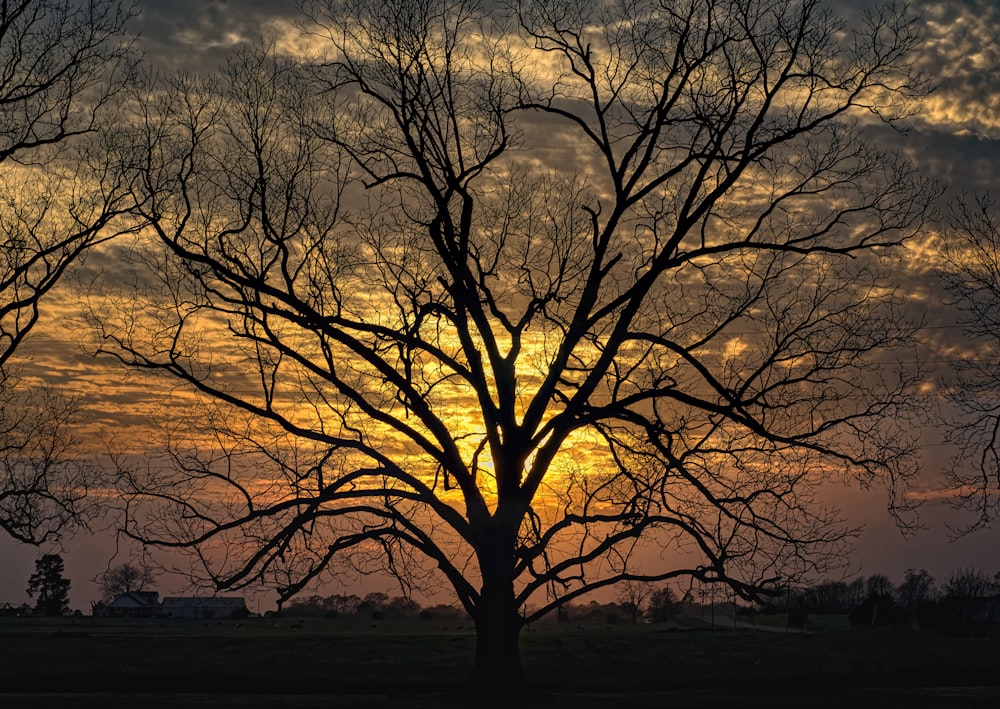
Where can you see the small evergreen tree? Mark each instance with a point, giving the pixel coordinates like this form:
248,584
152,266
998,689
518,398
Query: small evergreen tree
50,585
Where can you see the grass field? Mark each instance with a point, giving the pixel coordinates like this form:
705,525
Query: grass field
85,662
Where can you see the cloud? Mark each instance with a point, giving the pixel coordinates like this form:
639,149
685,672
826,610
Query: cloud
962,57
199,35
945,494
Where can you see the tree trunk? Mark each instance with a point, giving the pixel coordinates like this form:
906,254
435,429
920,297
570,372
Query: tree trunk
498,625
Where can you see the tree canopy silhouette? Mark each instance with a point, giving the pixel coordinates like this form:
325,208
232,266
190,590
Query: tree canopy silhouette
124,578
50,585
62,66
971,273
520,299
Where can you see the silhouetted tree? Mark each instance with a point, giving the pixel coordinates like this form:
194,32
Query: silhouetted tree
373,604
401,607
879,607
62,64
916,589
971,251
632,596
831,597
970,583
855,592
662,606
968,603
43,481
451,355
52,588
879,585
344,604
124,578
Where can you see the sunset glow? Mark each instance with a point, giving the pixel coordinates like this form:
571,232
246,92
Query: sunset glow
398,285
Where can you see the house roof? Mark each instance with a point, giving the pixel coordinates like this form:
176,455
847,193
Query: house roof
136,599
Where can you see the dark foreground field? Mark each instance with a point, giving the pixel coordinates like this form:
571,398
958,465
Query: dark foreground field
262,663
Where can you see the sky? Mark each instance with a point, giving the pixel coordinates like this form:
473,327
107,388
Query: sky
955,138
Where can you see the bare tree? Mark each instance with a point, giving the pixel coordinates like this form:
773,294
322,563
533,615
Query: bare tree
970,583
62,65
972,276
663,605
916,589
426,346
632,596
879,585
125,578
967,601
43,482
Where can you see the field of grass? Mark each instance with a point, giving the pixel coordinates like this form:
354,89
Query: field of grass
353,663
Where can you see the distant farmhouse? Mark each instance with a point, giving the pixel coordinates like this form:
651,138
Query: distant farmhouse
137,604
147,604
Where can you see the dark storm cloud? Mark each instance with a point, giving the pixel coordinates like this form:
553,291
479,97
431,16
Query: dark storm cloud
956,135
960,56
197,34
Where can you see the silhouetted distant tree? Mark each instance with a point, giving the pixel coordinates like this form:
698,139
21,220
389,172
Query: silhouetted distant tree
401,607
856,592
373,604
125,578
830,597
916,589
443,611
344,604
879,585
308,606
969,603
662,606
632,597
879,607
458,359
970,583
51,587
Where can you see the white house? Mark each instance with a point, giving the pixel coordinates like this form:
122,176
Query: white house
147,604
137,604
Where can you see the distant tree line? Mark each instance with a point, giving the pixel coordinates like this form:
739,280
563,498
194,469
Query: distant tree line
968,603
639,602
375,605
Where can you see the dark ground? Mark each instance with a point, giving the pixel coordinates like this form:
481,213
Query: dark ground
83,662
822,698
